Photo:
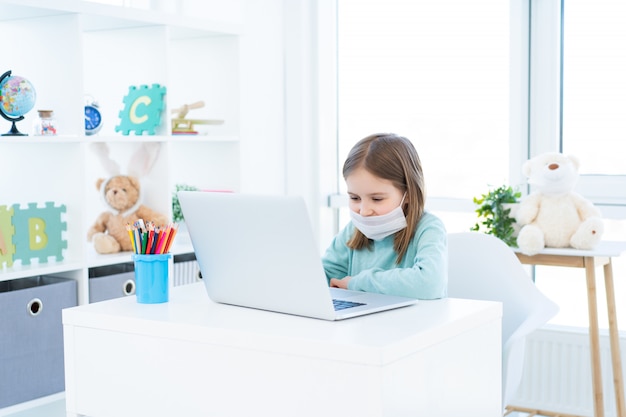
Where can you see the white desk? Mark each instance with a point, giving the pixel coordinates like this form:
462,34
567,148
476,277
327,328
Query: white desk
192,357
590,259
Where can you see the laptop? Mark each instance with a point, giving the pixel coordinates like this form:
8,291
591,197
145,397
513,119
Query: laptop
260,252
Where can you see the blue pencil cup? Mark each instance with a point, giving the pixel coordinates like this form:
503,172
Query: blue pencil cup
151,278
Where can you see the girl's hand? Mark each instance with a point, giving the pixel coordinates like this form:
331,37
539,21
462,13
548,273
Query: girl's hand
340,283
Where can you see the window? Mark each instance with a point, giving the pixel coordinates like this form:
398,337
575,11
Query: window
578,63
436,72
481,86
594,85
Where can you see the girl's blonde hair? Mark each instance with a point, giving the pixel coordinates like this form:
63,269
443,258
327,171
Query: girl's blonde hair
394,158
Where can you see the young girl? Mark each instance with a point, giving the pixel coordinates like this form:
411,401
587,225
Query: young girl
391,246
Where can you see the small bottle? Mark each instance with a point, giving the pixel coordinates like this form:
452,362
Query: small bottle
46,125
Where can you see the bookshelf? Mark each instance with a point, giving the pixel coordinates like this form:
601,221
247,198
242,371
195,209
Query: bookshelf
71,48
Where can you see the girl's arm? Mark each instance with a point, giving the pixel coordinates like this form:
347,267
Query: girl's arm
423,273
336,259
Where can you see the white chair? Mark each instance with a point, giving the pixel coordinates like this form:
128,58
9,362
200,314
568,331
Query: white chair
482,267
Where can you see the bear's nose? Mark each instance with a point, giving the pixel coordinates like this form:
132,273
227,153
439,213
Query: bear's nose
552,167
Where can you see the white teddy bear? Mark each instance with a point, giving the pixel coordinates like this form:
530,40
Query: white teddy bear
553,215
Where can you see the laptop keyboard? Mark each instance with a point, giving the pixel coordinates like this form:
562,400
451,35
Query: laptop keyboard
343,304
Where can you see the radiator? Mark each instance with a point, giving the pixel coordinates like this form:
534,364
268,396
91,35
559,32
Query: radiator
185,270
557,372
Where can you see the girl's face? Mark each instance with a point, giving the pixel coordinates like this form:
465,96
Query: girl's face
371,195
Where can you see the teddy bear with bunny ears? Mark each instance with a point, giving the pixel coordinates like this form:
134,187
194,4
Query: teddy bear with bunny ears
553,215
123,196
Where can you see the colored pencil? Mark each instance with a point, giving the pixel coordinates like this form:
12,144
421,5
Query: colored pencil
149,239
170,238
163,240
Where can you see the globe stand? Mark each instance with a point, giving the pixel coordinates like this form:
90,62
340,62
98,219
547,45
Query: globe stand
13,131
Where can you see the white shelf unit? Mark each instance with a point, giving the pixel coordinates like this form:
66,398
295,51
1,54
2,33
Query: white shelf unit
71,48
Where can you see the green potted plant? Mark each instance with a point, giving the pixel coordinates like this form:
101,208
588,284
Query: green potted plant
177,212
494,213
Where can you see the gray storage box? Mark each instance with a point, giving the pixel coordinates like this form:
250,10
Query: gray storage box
111,281
31,337
186,270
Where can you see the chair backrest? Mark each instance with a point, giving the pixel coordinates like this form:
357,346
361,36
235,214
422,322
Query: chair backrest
482,267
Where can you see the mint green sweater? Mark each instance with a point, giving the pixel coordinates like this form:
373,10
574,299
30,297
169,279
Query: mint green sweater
423,273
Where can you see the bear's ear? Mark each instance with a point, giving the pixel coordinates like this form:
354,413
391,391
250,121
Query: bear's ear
134,181
99,182
575,161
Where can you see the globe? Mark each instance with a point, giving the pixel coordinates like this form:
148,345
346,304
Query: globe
17,96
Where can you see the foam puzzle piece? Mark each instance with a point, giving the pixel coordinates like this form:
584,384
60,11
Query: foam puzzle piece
39,232
7,230
142,110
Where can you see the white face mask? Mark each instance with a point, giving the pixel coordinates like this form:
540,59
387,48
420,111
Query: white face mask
379,227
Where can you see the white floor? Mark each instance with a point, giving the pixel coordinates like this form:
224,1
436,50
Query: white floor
50,409
57,409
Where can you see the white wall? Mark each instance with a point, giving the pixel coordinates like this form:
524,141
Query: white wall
262,98
287,100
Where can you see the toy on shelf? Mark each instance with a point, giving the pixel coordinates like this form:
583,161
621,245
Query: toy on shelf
123,198
36,231
182,126
17,97
554,215
46,124
142,110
